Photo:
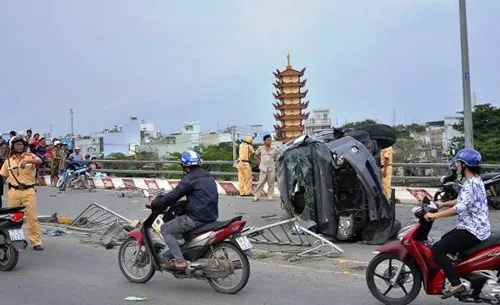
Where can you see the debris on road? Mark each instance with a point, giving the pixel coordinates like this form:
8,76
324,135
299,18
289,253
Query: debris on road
53,232
102,225
306,242
54,218
271,217
138,299
114,235
97,219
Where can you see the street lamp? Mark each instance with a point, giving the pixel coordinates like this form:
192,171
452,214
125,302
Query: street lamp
468,130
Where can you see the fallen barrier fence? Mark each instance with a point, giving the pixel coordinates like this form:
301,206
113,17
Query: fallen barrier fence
406,174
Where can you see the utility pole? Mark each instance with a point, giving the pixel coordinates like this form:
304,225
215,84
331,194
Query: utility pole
233,139
468,130
71,118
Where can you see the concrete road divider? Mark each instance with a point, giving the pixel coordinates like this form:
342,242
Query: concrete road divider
226,188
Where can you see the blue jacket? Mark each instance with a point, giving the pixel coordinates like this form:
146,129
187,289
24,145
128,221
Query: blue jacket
202,195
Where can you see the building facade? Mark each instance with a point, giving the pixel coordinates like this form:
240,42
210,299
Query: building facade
188,137
318,120
121,139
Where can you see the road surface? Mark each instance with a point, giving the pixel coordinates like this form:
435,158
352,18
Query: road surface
70,273
73,202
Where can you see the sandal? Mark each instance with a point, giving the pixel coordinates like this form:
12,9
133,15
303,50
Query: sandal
450,293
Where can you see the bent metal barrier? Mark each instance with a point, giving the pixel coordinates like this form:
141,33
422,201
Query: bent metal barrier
290,232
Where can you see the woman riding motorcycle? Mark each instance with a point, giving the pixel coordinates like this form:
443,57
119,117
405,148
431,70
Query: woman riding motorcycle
473,225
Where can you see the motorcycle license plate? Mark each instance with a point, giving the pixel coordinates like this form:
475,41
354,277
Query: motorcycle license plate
244,243
157,224
16,235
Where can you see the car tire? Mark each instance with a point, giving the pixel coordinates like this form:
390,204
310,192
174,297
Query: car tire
361,136
385,135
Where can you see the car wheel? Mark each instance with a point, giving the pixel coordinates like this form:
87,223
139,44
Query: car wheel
385,135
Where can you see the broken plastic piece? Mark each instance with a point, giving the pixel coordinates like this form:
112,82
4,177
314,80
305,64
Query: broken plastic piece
53,232
139,299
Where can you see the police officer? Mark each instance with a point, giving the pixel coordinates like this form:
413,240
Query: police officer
20,170
386,156
244,167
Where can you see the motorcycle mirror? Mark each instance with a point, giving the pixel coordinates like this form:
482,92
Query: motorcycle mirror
146,193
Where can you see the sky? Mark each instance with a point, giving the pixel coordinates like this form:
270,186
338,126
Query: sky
168,62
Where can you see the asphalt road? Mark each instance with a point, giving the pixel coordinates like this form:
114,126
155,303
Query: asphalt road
131,206
69,273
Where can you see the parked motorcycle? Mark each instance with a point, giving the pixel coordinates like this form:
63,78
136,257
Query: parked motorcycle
206,249
451,187
477,267
75,174
12,238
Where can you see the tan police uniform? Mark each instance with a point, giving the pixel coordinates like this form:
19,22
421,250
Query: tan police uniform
386,162
244,169
21,182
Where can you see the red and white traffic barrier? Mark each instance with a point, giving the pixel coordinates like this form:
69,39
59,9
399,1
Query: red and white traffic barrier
226,188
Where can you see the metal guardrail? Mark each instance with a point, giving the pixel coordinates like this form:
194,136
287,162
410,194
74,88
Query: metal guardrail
431,179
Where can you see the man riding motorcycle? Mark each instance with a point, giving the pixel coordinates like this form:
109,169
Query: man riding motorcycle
201,206
473,225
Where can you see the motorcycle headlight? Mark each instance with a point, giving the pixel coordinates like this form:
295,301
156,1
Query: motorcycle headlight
340,160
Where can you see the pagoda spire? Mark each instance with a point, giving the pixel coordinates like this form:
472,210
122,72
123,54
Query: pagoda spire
289,105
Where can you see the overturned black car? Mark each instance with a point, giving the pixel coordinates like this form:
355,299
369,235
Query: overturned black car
337,175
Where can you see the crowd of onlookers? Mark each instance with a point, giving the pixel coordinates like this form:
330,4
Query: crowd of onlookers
54,154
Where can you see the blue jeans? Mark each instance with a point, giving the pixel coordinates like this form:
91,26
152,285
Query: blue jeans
177,226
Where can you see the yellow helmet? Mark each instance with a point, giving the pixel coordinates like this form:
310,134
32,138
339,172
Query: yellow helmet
249,140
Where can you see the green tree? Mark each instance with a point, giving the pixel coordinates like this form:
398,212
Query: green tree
486,130
116,156
402,131
405,131
221,152
145,155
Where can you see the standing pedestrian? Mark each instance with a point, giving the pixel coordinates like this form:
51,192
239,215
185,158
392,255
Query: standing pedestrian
4,154
28,137
57,158
20,170
244,169
386,160
266,155
76,156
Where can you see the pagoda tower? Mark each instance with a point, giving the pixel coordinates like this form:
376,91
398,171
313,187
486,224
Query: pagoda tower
289,103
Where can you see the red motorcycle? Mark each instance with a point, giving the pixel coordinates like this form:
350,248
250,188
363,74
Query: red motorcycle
477,267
